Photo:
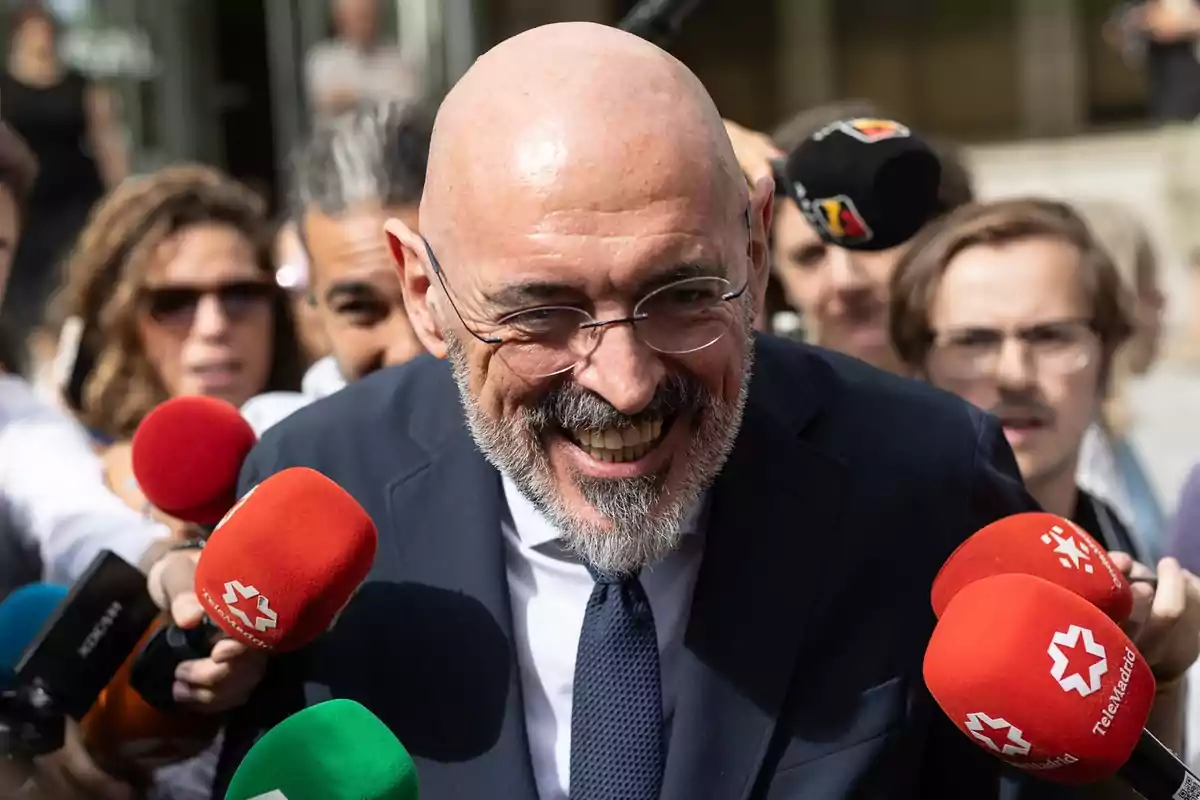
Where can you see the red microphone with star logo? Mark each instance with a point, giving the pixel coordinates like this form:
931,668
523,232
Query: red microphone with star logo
265,589
1045,681
274,574
1045,545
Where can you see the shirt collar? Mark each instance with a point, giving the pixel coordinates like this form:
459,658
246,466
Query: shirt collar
534,530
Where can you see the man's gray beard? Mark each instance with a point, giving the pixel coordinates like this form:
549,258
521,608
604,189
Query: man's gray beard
645,520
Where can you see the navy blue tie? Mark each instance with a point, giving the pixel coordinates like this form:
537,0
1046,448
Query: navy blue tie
617,744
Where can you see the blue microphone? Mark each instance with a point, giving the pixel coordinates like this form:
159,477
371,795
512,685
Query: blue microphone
22,615
29,724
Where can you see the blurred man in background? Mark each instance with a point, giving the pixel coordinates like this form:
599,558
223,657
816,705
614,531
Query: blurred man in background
1014,306
358,66
841,294
358,170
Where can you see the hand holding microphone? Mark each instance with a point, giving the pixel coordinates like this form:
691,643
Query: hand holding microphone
186,456
263,592
1043,680
1161,617
1165,621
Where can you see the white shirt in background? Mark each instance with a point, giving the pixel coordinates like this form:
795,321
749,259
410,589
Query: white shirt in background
379,75
52,489
265,410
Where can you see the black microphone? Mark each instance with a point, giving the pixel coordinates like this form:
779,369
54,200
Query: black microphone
1157,774
863,183
658,21
86,640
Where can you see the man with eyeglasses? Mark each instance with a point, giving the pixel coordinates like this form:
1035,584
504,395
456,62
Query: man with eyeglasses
629,550
1014,306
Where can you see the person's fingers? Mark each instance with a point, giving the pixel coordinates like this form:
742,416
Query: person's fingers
173,586
1141,572
1167,608
1122,561
215,686
203,673
1143,601
229,650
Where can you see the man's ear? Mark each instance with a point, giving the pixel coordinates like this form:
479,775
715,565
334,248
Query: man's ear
417,281
762,207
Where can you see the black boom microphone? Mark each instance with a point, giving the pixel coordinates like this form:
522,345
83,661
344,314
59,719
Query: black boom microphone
658,21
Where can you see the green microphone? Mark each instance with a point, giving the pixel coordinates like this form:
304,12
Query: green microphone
336,750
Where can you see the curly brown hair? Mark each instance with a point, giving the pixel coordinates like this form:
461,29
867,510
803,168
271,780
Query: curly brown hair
107,269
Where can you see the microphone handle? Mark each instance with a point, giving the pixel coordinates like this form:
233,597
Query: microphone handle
1156,773
657,21
152,673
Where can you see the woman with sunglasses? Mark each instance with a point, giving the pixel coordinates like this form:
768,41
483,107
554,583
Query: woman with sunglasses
172,284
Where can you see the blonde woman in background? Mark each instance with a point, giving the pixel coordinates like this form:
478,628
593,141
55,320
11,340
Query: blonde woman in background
1109,465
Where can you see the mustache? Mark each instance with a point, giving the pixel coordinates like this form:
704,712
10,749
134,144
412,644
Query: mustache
1031,410
574,407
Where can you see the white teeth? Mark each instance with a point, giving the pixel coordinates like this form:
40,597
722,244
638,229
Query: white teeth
615,445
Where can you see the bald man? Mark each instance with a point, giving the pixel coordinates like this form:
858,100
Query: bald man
629,550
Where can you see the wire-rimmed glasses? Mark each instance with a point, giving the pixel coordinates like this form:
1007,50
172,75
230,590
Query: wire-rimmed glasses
678,318
1058,347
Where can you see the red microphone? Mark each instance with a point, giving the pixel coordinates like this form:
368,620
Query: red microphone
1043,680
187,454
274,574
1045,545
286,560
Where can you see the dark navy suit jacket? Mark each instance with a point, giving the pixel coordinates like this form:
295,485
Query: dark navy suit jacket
845,492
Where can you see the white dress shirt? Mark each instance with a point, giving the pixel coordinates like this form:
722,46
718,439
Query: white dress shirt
266,410
52,489
549,589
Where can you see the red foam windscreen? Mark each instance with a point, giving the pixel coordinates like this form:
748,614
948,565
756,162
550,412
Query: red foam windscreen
187,453
1045,545
286,560
1040,678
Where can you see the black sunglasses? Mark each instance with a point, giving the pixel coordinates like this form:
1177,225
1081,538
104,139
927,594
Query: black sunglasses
170,305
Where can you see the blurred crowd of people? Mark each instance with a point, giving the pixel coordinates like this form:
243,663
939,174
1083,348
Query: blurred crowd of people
125,290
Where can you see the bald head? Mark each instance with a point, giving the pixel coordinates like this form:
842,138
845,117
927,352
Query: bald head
569,117
602,263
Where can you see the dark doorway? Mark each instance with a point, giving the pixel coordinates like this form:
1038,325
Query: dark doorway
244,94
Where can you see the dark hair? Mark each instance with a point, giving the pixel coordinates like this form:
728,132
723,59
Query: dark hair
105,271
18,166
378,152
920,270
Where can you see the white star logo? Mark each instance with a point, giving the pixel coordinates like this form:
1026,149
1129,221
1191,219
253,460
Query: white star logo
1071,553
982,727
1075,681
235,592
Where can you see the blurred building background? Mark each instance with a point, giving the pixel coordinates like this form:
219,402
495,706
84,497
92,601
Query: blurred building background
1030,85
221,80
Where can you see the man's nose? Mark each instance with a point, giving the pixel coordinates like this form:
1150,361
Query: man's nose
621,369
1014,367
845,273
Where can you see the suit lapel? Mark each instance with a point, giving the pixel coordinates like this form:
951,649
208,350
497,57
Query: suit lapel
449,547
772,550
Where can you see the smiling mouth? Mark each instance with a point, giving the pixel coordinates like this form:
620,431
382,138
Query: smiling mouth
621,445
